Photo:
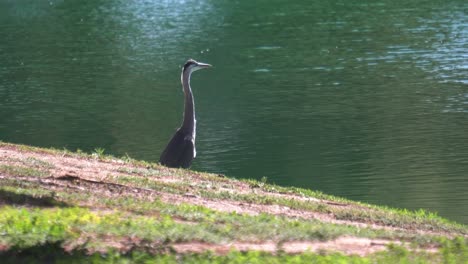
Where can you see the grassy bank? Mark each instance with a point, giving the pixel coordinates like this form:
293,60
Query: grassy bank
57,205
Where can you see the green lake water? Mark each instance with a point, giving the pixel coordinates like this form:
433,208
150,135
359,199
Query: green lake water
362,99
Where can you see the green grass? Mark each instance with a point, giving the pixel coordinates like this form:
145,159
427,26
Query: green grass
235,226
392,217
208,225
143,177
37,163
452,253
141,257
24,228
38,221
142,172
22,171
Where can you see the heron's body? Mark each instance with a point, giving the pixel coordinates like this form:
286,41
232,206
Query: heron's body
180,151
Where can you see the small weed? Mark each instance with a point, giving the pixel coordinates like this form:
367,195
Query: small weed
127,158
98,153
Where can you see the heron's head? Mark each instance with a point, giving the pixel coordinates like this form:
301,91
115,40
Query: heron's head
193,65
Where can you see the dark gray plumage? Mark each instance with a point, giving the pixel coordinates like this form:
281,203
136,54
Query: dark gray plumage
180,151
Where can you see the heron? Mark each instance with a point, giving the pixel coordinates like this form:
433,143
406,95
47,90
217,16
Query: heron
180,151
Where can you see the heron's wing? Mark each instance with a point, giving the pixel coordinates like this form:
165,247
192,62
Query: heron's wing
187,155
179,151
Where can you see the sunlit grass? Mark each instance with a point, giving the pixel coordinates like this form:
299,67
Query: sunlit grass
242,226
142,172
90,221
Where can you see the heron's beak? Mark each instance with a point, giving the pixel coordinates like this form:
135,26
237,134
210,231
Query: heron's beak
203,65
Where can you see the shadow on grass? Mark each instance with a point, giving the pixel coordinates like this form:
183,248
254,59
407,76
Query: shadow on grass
55,253
47,253
11,198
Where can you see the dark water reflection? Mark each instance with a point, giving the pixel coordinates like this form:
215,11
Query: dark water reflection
362,99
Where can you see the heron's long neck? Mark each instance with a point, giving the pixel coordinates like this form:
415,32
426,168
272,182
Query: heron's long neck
189,112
